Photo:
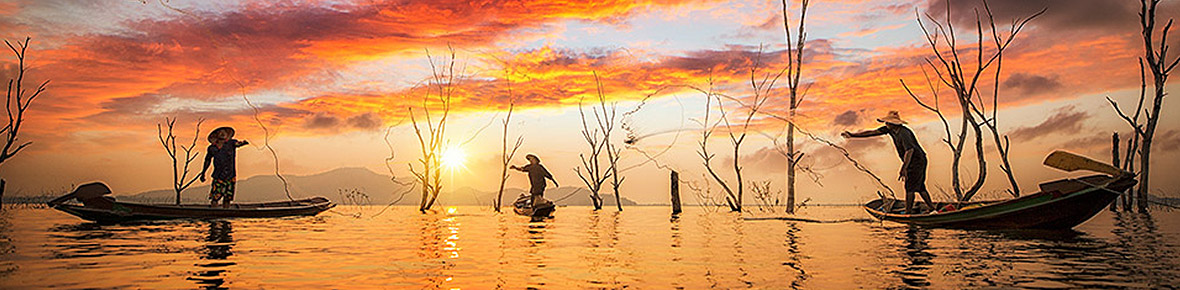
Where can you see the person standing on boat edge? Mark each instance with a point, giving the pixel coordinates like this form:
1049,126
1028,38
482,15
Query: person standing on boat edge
537,175
223,154
913,158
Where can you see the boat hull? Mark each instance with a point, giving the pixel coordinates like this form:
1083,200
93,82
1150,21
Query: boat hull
1061,204
98,207
122,212
523,206
544,211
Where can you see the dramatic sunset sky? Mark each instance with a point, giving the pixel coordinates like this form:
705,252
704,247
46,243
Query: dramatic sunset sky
329,78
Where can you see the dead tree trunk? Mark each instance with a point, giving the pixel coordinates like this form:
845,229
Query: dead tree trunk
794,67
15,105
675,192
607,124
180,165
432,134
1156,60
948,66
1128,164
506,156
595,175
1114,157
761,87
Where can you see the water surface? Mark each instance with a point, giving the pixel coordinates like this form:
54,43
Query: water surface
474,248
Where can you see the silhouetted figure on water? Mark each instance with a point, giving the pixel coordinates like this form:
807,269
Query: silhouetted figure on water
913,159
537,175
222,153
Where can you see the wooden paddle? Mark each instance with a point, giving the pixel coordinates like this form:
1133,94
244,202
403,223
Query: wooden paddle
1070,162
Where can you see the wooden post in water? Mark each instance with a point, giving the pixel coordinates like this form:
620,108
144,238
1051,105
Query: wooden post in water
1114,155
675,193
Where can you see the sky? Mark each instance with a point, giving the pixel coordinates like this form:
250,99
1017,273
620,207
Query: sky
331,84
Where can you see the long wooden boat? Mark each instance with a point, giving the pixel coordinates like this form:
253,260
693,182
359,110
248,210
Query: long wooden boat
1060,204
97,206
523,206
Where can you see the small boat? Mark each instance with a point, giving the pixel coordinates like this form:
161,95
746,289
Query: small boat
97,206
1060,204
523,206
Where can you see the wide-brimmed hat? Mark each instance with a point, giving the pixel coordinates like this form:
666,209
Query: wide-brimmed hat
219,133
893,118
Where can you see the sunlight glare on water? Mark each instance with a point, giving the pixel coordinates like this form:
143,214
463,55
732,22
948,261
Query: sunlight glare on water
474,248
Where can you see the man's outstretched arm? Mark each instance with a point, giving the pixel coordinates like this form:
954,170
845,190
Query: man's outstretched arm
865,133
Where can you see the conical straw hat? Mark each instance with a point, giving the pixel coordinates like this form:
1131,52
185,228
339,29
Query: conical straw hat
219,133
893,118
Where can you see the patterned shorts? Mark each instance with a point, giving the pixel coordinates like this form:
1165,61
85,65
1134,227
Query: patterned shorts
222,190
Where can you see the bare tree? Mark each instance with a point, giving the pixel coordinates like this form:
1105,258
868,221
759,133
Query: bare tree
1155,59
1133,142
506,155
592,172
431,133
607,124
951,72
794,69
17,102
180,165
761,88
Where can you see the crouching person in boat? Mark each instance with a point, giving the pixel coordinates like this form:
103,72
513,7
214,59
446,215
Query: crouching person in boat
222,153
913,158
537,175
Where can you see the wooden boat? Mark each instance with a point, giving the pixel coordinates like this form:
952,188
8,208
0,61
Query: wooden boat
1060,204
98,207
523,206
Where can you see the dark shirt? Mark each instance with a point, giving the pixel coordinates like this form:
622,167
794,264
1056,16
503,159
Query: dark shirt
903,139
224,159
537,175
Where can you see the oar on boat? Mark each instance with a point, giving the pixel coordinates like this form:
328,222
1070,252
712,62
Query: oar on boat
1070,162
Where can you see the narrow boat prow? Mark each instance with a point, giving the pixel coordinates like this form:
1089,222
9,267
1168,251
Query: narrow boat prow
98,206
1060,204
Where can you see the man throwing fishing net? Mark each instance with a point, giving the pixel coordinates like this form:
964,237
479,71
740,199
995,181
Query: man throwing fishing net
913,158
537,175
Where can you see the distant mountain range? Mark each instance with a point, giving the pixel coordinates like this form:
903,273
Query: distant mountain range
339,185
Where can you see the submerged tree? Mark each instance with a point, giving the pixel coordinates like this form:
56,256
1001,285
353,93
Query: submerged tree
794,69
607,124
17,102
506,155
180,164
1155,59
948,65
761,87
592,171
431,131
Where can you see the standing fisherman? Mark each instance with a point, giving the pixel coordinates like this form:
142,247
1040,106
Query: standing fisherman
222,152
913,159
537,175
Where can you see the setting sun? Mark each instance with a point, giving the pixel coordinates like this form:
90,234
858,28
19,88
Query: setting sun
453,158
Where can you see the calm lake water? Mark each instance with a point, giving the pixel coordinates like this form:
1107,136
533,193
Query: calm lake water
470,247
